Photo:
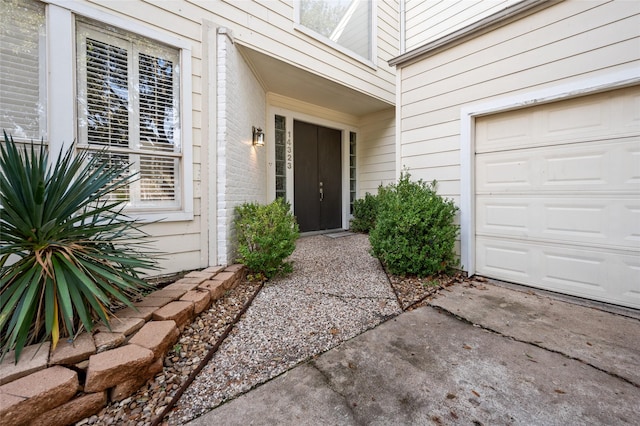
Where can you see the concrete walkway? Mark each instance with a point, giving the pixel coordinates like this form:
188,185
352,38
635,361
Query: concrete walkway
480,354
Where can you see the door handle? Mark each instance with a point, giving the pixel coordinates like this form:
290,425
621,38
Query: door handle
321,191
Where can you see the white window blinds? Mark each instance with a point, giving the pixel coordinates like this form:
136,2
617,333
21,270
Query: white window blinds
22,69
107,94
129,103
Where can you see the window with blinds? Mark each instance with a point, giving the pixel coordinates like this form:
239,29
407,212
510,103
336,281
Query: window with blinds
22,69
128,105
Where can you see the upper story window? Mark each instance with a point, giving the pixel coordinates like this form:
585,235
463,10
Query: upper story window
22,70
345,24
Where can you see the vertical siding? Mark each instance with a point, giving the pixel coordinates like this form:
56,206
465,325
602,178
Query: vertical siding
427,20
376,152
563,43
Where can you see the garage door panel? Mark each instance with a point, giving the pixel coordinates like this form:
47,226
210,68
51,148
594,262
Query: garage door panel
630,273
632,163
603,275
505,216
611,222
576,169
579,270
568,168
594,274
557,196
509,171
503,259
633,217
607,115
566,120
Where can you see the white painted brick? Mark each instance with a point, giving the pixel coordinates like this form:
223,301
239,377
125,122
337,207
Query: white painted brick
241,166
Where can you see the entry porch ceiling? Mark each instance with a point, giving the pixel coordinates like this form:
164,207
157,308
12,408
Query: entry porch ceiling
293,82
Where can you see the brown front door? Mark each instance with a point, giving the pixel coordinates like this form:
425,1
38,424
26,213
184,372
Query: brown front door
317,176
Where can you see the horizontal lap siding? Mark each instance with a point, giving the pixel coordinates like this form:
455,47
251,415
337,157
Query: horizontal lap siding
388,41
181,244
376,159
428,20
540,51
556,45
269,27
266,26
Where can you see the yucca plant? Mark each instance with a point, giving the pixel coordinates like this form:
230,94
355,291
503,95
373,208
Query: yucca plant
67,250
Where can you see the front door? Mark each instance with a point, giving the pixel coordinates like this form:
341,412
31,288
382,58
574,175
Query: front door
317,176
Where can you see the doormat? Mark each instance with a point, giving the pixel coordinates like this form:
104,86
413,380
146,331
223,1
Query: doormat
339,234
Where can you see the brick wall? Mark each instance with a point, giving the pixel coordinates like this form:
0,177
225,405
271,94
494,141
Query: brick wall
242,172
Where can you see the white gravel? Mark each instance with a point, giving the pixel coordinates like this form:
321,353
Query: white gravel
337,291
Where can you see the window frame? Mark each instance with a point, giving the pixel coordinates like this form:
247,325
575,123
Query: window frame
61,17
370,62
135,150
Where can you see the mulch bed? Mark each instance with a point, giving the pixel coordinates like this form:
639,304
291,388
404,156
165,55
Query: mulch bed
413,292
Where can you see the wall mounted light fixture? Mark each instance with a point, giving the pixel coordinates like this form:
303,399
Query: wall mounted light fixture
258,136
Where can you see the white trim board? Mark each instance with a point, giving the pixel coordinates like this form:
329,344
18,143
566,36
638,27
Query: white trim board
468,114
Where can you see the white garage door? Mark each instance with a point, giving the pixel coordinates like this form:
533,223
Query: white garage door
558,196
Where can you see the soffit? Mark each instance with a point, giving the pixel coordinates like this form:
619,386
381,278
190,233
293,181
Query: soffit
288,80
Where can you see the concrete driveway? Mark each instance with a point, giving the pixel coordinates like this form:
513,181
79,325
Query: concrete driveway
478,354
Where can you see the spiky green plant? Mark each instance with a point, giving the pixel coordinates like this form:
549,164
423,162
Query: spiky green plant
67,250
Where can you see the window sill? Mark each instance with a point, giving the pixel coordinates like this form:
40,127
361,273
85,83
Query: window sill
147,217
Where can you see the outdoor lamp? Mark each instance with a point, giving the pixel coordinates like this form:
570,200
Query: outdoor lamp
258,137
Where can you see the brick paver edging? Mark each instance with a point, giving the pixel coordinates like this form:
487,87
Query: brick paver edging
81,376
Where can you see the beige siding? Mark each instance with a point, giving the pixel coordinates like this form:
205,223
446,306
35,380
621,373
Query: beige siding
182,244
376,152
268,27
291,104
388,33
427,20
566,42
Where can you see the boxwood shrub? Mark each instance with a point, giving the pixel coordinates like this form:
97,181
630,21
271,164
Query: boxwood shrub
414,232
365,211
266,237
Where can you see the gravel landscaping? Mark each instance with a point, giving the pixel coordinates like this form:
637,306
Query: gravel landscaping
337,291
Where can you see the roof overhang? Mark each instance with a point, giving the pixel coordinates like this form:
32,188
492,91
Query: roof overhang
502,17
288,80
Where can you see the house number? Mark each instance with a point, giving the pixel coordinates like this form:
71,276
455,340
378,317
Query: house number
289,151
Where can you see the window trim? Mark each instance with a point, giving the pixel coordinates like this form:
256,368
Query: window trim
370,62
62,118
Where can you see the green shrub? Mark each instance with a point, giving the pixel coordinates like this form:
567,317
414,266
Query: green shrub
67,252
414,232
266,237
365,211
